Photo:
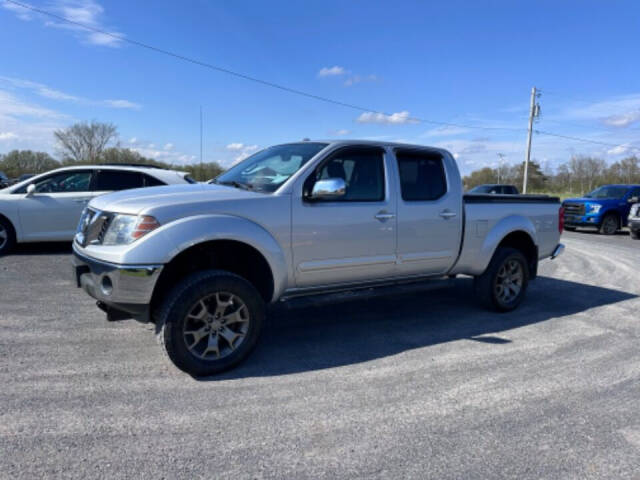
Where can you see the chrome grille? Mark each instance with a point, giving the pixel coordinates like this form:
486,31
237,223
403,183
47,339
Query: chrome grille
574,208
93,226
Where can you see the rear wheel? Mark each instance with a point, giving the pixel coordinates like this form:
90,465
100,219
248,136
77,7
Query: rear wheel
635,234
609,224
210,322
504,283
570,229
7,236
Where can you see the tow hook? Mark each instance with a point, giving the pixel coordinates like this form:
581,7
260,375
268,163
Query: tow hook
113,314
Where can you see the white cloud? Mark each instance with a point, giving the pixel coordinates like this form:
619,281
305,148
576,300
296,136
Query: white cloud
7,136
620,149
235,146
619,111
86,12
398,118
48,92
332,71
168,146
126,104
133,140
624,119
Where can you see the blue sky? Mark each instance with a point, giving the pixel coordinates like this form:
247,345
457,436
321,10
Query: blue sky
471,63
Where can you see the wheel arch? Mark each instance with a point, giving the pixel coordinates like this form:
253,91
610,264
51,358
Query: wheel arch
9,222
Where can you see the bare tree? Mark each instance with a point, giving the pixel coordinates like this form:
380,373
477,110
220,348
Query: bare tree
84,142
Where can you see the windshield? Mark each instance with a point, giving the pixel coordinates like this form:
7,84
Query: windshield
266,170
608,192
480,189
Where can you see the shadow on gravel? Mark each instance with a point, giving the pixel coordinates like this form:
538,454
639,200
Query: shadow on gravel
43,248
326,336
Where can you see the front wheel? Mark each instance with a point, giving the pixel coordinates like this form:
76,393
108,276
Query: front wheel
7,236
609,224
504,283
635,234
210,322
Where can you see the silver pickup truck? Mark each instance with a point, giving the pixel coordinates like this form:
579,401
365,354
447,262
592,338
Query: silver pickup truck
308,218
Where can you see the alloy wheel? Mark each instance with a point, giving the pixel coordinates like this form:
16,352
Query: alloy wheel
216,326
509,281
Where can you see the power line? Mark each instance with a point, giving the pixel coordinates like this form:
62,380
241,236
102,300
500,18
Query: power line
579,139
249,77
284,87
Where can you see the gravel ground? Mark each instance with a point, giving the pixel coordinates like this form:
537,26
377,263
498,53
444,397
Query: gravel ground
406,386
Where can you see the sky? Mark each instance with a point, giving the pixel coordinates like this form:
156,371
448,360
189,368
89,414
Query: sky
468,63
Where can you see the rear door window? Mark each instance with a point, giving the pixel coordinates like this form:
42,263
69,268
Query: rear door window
422,176
113,180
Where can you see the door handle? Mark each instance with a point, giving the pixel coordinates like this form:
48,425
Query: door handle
446,214
382,216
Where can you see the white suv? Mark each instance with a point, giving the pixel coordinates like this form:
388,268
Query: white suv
47,207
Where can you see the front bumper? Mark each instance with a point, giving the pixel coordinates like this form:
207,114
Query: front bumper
582,220
125,288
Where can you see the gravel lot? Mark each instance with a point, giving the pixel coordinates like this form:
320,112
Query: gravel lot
405,386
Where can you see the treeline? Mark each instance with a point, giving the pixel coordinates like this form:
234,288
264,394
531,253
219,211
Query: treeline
579,175
91,143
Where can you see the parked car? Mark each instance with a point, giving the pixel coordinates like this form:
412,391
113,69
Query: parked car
47,207
634,219
22,178
495,188
301,219
4,180
606,208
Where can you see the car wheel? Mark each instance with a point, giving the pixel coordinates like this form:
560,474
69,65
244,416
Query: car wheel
570,229
503,285
7,236
609,224
210,322
635,234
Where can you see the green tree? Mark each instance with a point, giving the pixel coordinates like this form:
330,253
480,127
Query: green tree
17,162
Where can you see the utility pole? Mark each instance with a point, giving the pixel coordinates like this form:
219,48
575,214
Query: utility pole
201,167
500,164
534,111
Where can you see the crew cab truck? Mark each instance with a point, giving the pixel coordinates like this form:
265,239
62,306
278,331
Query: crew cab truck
607,208
307,218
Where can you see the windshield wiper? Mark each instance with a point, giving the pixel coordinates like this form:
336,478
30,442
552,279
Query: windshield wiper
233,183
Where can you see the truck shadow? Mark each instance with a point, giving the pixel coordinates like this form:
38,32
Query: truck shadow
350,332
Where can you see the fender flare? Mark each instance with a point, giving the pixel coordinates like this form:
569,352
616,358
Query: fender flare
506,226
175,237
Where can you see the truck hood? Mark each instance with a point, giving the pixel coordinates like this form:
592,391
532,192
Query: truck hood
139,200
592,200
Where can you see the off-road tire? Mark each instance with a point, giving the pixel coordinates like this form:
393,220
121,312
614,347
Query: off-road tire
485,284
172,315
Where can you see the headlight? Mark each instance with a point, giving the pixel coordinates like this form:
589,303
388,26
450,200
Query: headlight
593,208
124,229
634,210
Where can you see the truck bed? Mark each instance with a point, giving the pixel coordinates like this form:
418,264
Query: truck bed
493,198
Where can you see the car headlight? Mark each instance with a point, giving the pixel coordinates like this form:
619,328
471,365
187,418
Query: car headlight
124,229
593,208
634,210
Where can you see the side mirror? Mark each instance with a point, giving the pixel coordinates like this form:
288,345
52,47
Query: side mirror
634,200
31,189
328,189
